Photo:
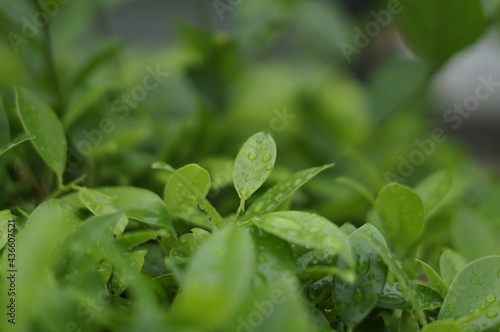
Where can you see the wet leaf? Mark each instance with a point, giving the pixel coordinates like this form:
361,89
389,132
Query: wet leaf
253,164
450,263
475,294
355,301
401,215
435,281
281,191
307,229
40,120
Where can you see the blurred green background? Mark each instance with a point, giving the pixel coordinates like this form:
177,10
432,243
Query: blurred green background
296,68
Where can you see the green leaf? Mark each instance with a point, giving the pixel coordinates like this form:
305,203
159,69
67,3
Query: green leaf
217,280
395,297
178,198
40,120
281,191
355,301
275,255
4,126
450,263
447,325
308,230
435,281
132,239
123,276
401,214
433,30
5,216
140,204
100,204
475,294
199,175
434,189
96,235
39,249
252,167
15,142
396,268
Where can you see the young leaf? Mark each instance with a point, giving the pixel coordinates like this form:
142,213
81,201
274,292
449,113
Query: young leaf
450,263
178,198
435,281
40,120
281,191
355,301
401,214
217,280
434,189
475,291
203,203
252,167
100,204
16,141
309,230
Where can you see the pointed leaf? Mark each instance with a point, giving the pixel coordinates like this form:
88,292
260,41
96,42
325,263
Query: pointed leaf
435,281
307,229
434,189
450,263
18,140
40,120
281,191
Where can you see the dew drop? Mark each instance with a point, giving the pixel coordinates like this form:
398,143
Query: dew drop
259,140
358,294
362,263
266,157
451,307
369,232
314,230
252,156
393,299
492,314
490,298
475,272
269,167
